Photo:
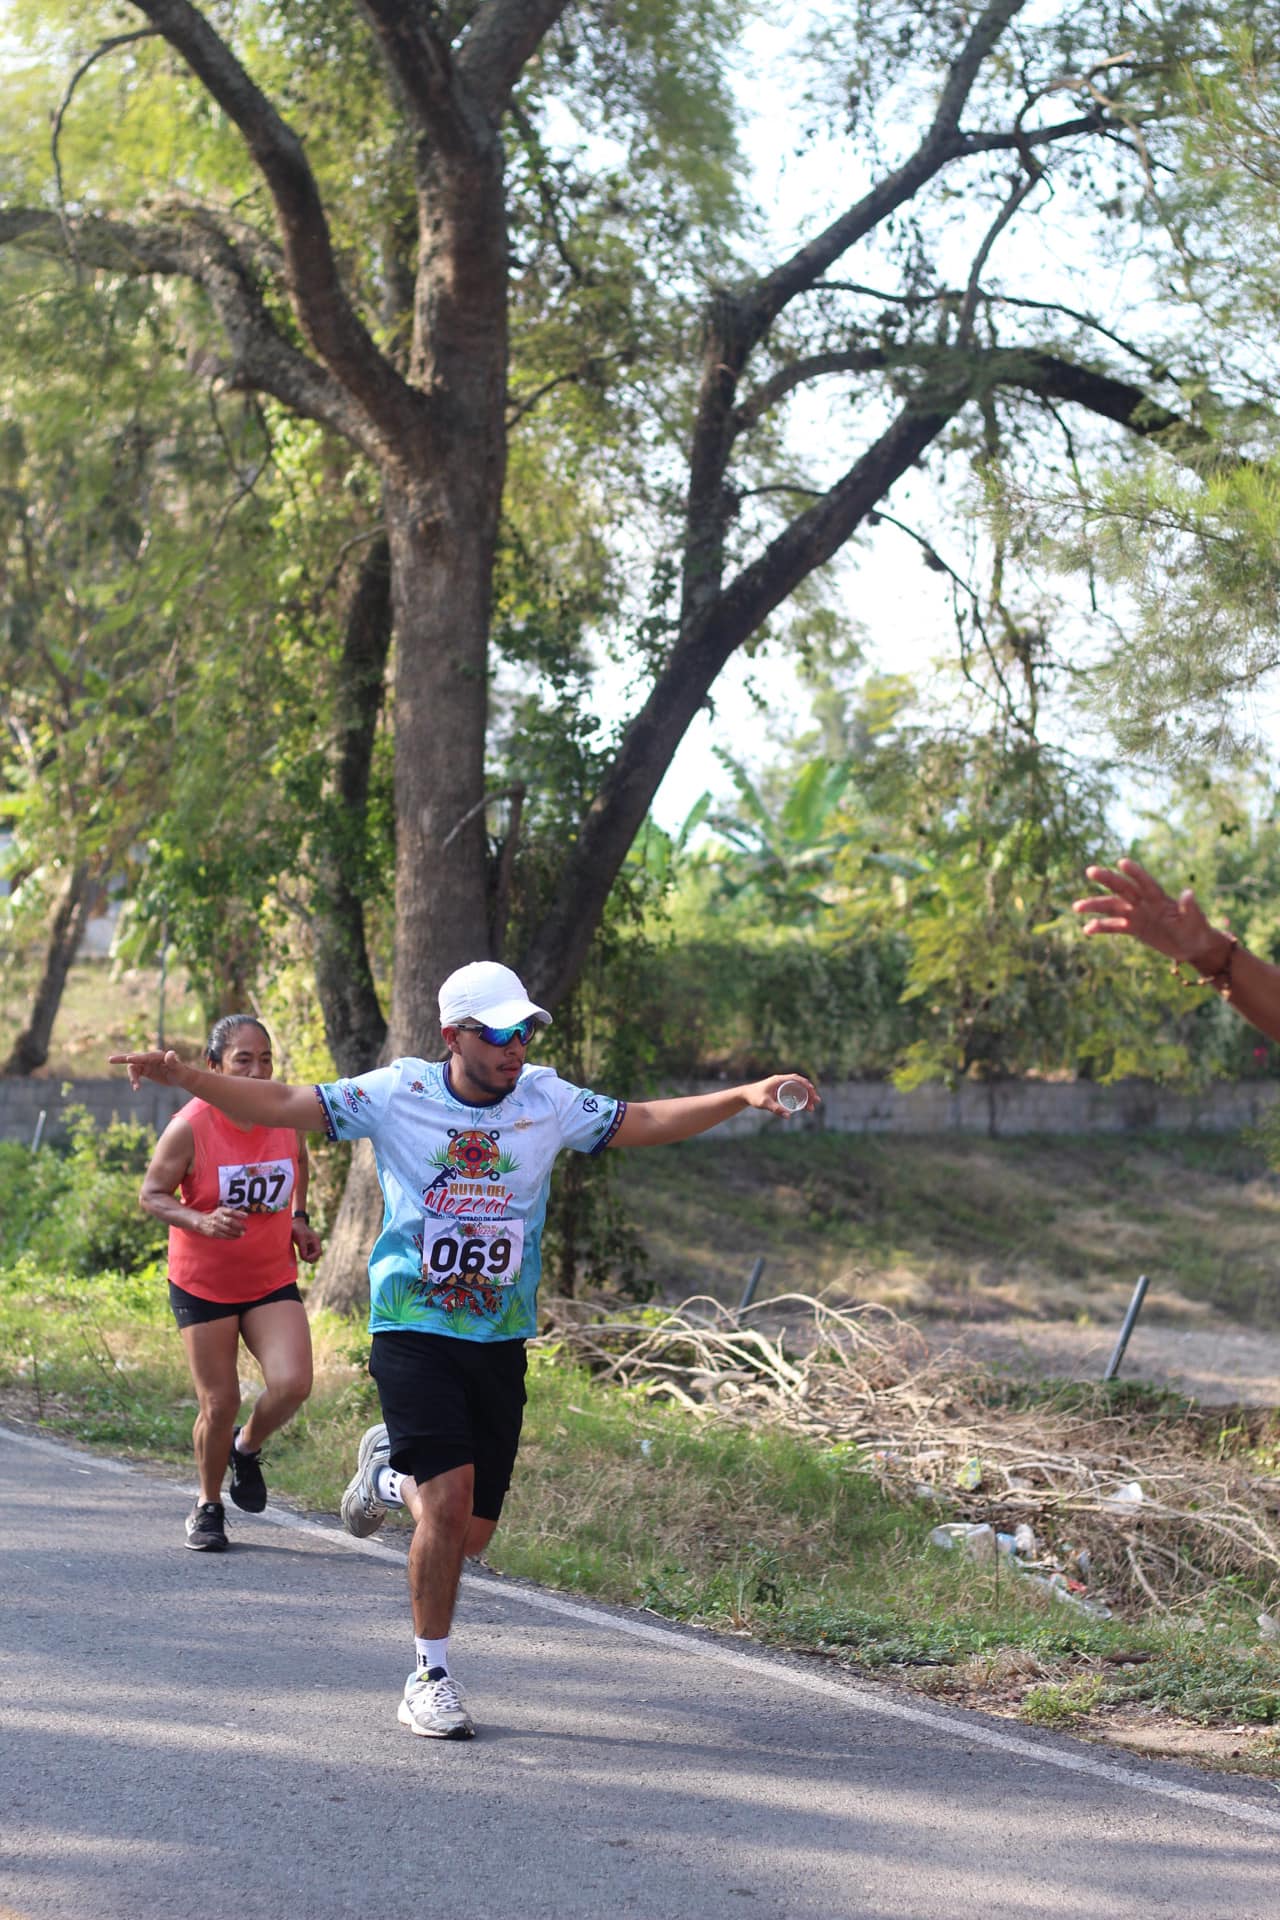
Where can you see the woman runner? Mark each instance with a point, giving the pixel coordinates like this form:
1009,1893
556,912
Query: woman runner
234,1198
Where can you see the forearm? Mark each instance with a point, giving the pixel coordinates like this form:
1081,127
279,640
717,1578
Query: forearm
170,1211
260,1103
1250,985
656,1123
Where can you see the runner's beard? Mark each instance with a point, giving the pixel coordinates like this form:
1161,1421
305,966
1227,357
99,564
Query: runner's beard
496,1080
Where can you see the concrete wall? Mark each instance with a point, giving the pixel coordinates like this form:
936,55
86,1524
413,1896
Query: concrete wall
1027,1106
22,1101
851,1106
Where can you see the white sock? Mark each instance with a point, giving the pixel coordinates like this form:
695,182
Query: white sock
433,1653
386,1484
240,1445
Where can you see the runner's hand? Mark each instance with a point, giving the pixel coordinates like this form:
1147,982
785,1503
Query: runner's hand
224,1223
1139,906
307,1242
764,1093
166,1068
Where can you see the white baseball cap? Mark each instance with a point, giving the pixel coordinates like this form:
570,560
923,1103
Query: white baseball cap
492,994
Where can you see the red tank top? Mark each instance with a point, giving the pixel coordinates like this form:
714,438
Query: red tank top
255,1172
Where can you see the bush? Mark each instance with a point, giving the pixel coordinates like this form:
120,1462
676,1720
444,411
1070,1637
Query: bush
29,1185
75,1210
745,1007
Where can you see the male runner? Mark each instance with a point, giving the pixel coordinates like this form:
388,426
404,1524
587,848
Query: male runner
464,1150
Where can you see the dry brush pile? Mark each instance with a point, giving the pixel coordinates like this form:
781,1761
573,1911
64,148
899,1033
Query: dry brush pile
1160,1514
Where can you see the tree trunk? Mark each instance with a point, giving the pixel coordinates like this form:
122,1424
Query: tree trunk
30,1050
342,1276
353,1021
442,496
441,566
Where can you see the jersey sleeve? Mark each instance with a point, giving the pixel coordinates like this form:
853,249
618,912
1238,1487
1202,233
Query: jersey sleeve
588,1121
355,1109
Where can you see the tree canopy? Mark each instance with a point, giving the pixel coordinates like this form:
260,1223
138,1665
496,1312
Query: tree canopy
501,253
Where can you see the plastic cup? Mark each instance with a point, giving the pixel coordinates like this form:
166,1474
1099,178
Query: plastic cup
793,1095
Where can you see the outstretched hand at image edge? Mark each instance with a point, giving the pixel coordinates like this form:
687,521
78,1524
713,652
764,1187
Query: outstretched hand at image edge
163,1067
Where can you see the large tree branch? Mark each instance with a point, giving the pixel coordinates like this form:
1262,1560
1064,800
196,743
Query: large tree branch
980,369
1129,406
421,65
739,318
503,37
194,247
456,95
686,679
941,143
324,312
741,607
812,366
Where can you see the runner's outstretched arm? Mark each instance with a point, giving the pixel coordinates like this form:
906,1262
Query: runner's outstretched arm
1138,905
656,1123
263,1103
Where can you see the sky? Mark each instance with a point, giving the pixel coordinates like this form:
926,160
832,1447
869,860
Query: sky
903,608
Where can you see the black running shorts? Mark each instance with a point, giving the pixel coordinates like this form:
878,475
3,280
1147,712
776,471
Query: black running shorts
452,1403
191,1309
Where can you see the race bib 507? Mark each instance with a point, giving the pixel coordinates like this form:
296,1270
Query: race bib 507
264,1187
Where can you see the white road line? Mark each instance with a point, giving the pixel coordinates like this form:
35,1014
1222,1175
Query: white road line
955,1725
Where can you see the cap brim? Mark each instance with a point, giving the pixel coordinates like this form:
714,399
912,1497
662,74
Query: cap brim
506,1013
510,1012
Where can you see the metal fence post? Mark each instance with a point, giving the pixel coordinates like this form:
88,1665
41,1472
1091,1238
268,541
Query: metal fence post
753,1281
1130,1319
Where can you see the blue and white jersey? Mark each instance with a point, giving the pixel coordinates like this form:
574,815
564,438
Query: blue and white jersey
464,1191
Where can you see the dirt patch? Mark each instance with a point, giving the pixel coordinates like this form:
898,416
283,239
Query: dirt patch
1002,1684
1228,1749
1218,1365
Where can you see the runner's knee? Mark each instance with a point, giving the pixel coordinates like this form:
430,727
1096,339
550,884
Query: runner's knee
446,1499
219,1404
291,1383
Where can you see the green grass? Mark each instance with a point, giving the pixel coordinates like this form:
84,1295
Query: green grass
1055,1227
1062,1705
103,1010
634,1501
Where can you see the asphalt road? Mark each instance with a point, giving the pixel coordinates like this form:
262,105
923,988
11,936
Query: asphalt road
188,1737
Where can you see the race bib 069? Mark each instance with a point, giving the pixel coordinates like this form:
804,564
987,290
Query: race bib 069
264,1187
473,1252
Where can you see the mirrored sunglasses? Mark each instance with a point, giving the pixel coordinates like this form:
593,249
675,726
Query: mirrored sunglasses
523,1031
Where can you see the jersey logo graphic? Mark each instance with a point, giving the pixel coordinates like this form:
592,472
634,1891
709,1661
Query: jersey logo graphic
470,1155
475,1153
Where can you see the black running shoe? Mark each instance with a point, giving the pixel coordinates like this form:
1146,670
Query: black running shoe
248,1488
206,1527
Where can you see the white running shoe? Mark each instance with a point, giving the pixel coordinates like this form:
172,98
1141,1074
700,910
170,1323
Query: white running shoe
362,1511
435,1707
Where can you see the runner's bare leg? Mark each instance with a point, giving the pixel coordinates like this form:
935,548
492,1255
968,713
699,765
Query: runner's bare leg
279,1338
213,1351
445,1533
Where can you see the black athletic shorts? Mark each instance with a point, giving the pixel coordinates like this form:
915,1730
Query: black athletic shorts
190,1309
452,1403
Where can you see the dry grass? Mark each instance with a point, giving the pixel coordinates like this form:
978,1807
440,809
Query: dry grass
965,1227
860,1377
